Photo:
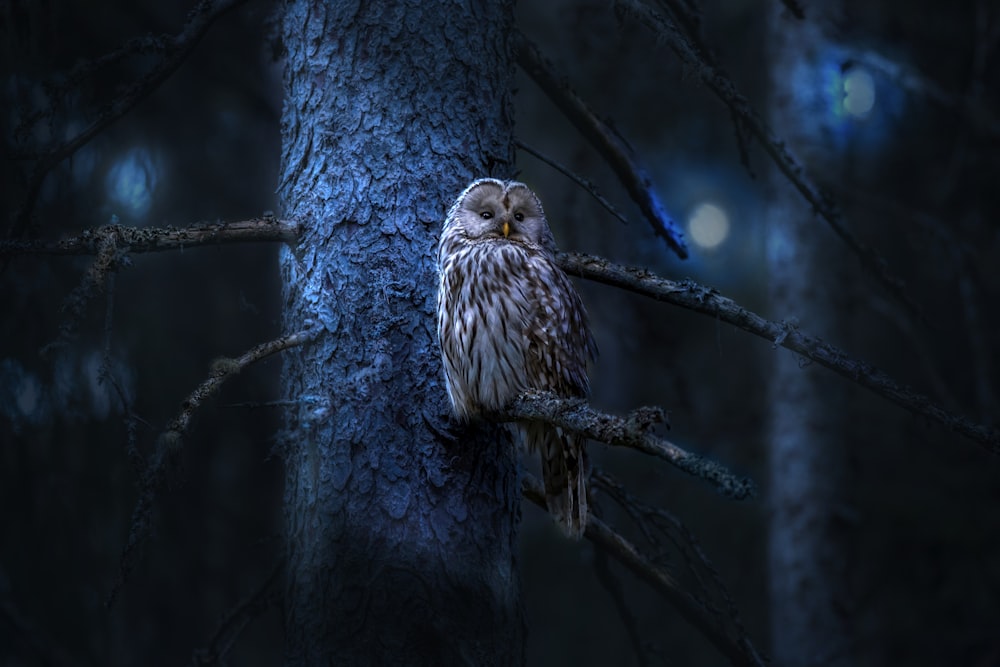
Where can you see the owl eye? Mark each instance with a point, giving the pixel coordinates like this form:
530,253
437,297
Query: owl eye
519,216
486,215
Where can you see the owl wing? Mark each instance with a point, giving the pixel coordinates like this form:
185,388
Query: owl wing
559,338
559,345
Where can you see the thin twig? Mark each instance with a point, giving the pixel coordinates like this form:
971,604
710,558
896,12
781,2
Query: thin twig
707,301
237,620
106,261
224,368
153,239
256,405
690,608
108,375
949,243
173,52
112,243
634,431
689,15
169,444
609,143
656,523
723,87
64,84
979,340
970,108
795,8
584,183
686,294
925,351
613,585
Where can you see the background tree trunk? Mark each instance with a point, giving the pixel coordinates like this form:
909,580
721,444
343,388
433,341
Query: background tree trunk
401,539
810,281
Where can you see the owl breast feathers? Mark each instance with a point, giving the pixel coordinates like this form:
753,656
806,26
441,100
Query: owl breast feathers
509,320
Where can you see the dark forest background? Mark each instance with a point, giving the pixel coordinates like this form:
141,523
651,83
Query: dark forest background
917,177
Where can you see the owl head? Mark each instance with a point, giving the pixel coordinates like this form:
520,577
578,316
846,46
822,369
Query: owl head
491,210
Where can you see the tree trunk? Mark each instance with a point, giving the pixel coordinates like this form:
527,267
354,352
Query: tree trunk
808,536
401,537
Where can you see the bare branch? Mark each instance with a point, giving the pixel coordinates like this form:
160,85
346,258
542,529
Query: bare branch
634,431
113,241
704,300
690,608
168,446
724,88
970,108
657,525
172,52
613,585
236,621
584,183
979,340
949,243
689,14
156,239
107,374
106,261
223,369
795,8
609,143
925,351
257,405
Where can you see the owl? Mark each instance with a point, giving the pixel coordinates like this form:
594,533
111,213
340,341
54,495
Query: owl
509,320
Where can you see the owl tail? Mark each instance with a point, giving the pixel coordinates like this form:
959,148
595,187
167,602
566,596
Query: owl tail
564,473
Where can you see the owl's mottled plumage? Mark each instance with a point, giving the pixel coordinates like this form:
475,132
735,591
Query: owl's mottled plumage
509,320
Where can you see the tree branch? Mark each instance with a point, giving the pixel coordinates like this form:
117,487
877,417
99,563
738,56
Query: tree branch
707,301
107,259
236,621
690,608
172,52
658,526
795,8
611,583
584,183
155,239
111,245
634,431
609,143
724,88
970,108
685,293
168,446
107,374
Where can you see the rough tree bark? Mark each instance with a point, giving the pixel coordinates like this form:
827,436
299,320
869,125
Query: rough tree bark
401,538
810,281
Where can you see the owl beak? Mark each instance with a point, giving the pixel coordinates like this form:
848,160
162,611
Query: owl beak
506,229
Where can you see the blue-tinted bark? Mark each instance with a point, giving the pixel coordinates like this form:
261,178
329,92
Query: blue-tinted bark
401,540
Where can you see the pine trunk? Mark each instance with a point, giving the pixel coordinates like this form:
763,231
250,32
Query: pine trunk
401,536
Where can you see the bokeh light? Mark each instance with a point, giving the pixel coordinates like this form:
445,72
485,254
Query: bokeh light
708,225
131,182
859,92
22,396
844,103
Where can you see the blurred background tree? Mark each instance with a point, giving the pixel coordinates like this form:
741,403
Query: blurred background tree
893,110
